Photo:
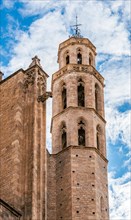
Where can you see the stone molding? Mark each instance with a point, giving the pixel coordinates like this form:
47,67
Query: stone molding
78,107
81,147
78,41
78,68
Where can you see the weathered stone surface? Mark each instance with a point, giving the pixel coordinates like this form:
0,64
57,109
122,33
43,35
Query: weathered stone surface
22,142
81,171
70,183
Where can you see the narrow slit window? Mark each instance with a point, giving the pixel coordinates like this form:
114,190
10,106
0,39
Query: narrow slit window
96,97
90,59
81,136
67,59
81,95
79,58
101,204
98,136
64,98
98,141
64,139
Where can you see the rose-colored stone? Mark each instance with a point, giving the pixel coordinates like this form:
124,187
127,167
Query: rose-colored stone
70,183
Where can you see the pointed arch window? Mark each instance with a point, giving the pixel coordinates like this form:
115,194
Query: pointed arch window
67,59
90,59
64,97
81,133
64,136
98,136
79,58
81,93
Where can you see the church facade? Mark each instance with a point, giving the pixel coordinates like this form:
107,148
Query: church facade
71,182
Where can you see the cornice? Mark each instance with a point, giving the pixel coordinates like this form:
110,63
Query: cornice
12,75
77,107
23,71
70,68
80,108
81,147
79,41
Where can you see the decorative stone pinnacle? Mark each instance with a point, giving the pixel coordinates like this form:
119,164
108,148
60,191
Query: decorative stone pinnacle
35,60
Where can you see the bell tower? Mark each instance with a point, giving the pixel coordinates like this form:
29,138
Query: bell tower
78,133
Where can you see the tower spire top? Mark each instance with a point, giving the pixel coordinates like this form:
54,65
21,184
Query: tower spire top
76,29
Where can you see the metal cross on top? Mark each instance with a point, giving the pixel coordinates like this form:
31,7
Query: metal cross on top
76,29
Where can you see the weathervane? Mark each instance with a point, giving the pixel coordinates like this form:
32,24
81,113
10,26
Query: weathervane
76,29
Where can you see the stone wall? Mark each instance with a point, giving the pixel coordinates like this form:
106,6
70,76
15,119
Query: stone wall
22,142
7,212
11,139
76,182
51,187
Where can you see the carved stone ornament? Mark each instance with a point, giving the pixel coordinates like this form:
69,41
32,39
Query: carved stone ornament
29,79
41,81
97,75
44,97
76,68
84,69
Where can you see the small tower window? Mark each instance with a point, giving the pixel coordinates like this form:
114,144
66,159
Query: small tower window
81,136
97,97
64,98
79,58
81,133
90,59
98,136
67,59
64,143
64,137
98,144
81,94
101,204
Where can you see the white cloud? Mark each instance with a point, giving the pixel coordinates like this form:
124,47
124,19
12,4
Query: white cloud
43,38
118,125
8,3
127,163
120,197
108,33
117,91
122,7
104,29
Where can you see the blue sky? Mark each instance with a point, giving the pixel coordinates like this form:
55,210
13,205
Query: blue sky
37,27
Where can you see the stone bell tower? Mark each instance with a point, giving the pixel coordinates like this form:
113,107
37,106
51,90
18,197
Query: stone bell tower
78,133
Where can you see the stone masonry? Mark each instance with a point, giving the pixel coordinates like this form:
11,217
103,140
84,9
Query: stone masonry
71,182
22,141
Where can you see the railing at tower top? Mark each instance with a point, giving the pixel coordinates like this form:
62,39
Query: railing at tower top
70,68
